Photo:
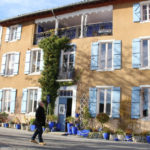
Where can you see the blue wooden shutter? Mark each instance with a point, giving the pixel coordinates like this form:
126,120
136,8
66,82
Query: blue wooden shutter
19,28
41,61
93,101
3,64
39,94
16,63
136,54
94,56
7,34
116,102
27,63
136,12
135,104
1,95
24,101
13,100
117,55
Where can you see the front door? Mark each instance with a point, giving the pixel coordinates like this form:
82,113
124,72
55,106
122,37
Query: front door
64,110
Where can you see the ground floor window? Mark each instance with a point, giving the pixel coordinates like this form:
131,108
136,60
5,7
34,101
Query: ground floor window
104,100
6,99
32,102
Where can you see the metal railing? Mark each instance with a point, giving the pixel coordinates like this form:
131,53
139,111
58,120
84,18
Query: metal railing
66,75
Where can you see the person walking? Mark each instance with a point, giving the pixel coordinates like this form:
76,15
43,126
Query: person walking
39,122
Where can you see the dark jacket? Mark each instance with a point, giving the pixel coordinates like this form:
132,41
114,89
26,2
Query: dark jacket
40,116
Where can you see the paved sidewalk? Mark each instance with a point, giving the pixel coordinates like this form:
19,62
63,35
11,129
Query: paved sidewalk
12,139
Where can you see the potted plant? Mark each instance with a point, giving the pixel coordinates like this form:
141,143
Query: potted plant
112,135
51,119
128,135
32,124
3,119
17,123
11,124
70,123
136,137
23,126
106,133
120,134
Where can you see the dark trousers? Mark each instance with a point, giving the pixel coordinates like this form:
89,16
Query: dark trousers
39,132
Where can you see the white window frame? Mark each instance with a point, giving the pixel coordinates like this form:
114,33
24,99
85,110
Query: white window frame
98,98
68,53
28,98
2,107
11,33
31,62
141,103
9,53
141,5
141,50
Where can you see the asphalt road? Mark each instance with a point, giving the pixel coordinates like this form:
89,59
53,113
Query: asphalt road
12,139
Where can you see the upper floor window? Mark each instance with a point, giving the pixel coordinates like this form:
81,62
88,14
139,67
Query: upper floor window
106,55
30,99
10,64
0,34
34,61
7,100
13,33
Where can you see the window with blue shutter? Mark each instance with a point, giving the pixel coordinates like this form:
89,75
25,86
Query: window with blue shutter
136,12
1,94
135,103
27,63
94,56
24,101
3,64
145,101
116,102
117,55
13,100
19,28
136,55
16,63
41,61
93,101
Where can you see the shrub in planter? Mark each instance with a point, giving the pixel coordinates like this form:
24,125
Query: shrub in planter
51,119
120,134
136,137
32,124
128,135
106,133
3,117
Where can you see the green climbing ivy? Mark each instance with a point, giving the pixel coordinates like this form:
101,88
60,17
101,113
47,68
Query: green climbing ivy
52,47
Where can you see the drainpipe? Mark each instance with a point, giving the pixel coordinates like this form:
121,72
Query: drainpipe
56,23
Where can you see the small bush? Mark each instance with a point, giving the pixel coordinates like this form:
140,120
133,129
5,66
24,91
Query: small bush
52,118
32,121
102,118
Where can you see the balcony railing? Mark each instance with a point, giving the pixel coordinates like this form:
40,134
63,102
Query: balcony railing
90,30
66,75
98,29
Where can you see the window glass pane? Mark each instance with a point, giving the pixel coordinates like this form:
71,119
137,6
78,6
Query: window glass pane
108,101
101,104
35,100
145,102
30,101
71,61
109,56
149,12
144,12
6,100
10,59
145,53
65,60
33,66
102,56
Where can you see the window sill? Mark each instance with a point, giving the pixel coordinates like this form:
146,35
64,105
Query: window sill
147,21
35,73
8,75
65,80
99,70
12,41
144,68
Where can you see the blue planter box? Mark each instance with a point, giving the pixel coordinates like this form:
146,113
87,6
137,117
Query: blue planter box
6,125
83,133
58,127
69,128
51,125
106,136
128,138
18,126
148,138
32,127
74,130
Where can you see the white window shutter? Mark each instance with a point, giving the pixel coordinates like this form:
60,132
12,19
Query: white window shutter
13,100
39,94
1,95
24,101
41,61
19,28
7,34
27,63
1,30
16,63
3,64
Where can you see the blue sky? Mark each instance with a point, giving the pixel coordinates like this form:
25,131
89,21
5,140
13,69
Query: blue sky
11,8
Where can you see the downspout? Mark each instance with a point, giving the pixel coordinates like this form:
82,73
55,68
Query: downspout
56,23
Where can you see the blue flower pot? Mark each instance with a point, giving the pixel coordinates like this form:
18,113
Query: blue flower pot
74,130
6,125
43,129
69,128
128,138
51,125
18,126
76,115
148,138
106,136
32,127
58,126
